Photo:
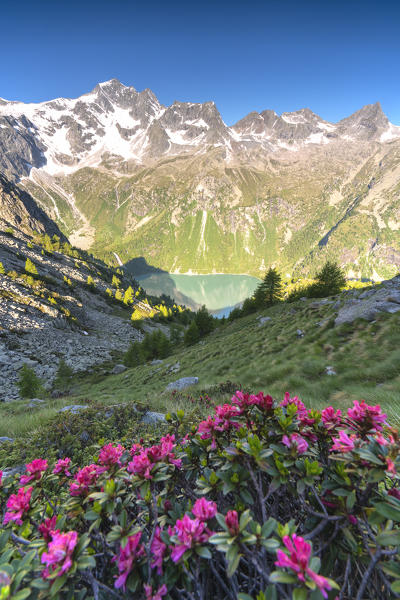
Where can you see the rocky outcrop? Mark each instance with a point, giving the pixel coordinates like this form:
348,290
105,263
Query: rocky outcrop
368,304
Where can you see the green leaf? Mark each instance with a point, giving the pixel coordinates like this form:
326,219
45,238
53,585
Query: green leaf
233,565
57,585
244,519
203,552
282,577
242,596
22,594
389,538
86,562
299,594
396,587
268,527
388,511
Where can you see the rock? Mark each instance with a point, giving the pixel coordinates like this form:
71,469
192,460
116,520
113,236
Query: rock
366,294
118,369
181,384
175,368
84,437
13,471
263,320
35,402
152,418
330,371
303,299
5,439
74,408
299,333
156,361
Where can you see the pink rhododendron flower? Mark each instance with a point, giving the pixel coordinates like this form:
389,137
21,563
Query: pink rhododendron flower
301,409
242,400
35,470
84,478
295,441
162,591
297,561
136,448
140,465
370,417
59,553
232,522
390,465
62,466
158,549
227,411
1,477
204,509
47,527
126,558
111,455
331,418
343,443
190,532
18,506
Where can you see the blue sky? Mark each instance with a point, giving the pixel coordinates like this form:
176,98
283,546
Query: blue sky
331,56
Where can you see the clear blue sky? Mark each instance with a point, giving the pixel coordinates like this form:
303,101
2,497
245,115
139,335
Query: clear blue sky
331,56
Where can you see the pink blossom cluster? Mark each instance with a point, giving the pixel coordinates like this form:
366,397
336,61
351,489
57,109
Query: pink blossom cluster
35,470
158,549
127,557
295,442
297,561
243,401
85,478
111,455
59,555
189,533
144,459
150,595
343,443
232,522
62,467
331,419
302,411
366,416
18,505
47,527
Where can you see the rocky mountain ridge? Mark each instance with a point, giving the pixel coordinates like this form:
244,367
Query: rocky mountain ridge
118,172
116,122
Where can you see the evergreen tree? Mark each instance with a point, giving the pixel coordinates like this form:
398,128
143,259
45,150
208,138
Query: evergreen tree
30,267
2,269
128,296
115,282
90,281
204,321
270,290
134,355
63,376
192,334
29,383
330,280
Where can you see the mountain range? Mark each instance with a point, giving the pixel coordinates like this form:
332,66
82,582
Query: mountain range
120,173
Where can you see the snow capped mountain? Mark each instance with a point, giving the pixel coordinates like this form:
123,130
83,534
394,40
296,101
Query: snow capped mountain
117,127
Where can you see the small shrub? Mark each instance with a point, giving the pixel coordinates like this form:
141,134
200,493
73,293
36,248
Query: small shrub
29,383
30,267
192,334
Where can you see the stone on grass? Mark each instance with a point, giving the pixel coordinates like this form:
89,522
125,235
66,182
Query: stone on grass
299,333
118,369
152,418
5,439
181,384
263,320
73,408
330,371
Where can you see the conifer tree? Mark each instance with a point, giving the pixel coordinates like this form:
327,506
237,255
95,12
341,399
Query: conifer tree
128,296
29,383
330,280
134,355
2,269
192,334
63,376
204,321
270,290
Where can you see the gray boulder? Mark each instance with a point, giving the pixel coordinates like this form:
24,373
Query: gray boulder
152,418
181,384
74,408
6,439
118,369
263,320
330,371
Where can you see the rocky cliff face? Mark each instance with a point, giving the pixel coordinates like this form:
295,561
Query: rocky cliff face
18,209
120,172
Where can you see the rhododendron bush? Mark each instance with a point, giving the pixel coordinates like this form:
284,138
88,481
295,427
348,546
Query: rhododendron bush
263,500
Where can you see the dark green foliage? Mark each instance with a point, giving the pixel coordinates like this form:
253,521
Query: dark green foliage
154,345
248,307
29,383
134,355
192,334
204,321
270,290
236,313
63,377
330,280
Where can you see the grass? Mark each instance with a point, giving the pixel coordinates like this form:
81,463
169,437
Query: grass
272,358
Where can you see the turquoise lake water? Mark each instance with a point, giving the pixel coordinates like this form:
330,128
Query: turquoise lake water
220,293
